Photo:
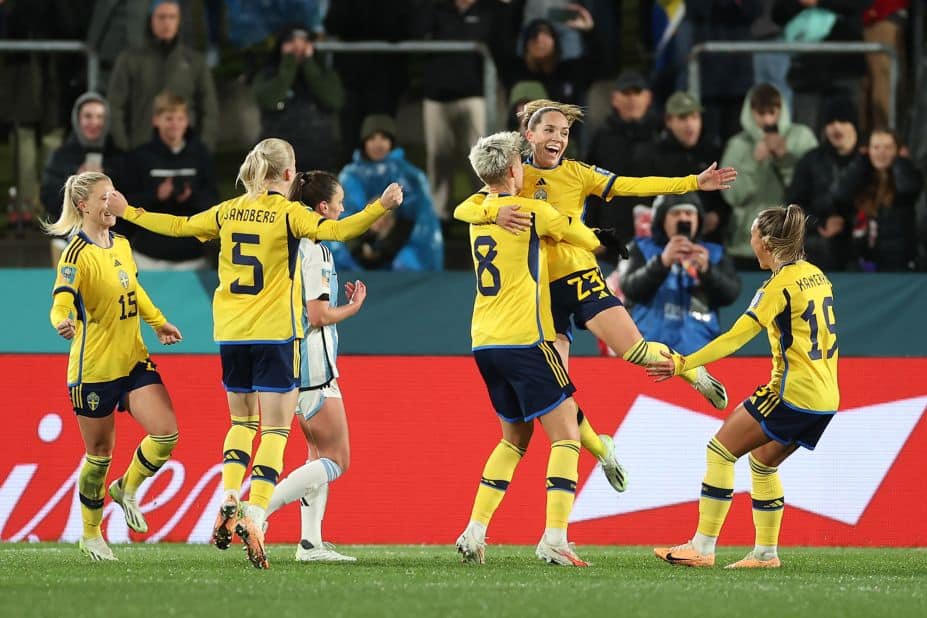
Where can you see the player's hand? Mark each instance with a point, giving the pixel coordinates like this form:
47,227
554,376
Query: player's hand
610,239
168,334
356,292
66,328
714,179
392,197
510,220
116,203
662,370
165,189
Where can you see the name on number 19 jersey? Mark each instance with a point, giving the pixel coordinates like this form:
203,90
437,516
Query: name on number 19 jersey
512,306
796,307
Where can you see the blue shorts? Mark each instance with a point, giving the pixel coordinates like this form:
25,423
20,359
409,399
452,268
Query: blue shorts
582,296
783,423
99,399
524,383
263,367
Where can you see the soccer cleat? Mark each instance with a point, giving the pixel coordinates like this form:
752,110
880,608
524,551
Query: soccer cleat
225,523
614,471
307,552
684,555
134,518
471,548
564,555
252,537
96,548
710,388
750,561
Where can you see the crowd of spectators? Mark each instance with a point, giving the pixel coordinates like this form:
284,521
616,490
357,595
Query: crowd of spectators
806,129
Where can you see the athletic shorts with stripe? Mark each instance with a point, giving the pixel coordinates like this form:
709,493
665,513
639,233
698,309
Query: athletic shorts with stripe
782,422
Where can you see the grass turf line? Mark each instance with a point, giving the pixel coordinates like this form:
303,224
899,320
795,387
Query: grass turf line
181,580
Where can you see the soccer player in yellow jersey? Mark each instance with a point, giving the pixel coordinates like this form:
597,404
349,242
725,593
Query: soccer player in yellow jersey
577,288
796,307
512,332
98,301
256,314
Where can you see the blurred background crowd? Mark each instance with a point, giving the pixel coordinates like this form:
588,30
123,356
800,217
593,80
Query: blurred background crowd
186,87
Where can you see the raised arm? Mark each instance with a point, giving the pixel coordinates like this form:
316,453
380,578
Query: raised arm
308,224
204,225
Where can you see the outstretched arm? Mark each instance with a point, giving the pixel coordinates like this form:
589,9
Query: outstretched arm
744,329
203,225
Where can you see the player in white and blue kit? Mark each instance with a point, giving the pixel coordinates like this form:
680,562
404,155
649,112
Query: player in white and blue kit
321,408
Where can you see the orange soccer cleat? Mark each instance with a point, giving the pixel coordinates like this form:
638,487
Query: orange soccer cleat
252,536
750,561
684,555
225,523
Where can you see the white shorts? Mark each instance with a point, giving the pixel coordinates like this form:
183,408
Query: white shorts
310,401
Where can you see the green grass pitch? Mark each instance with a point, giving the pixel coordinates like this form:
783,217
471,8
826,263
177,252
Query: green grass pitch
420,581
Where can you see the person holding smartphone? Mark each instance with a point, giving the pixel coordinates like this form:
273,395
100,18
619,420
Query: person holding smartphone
89,148
675,281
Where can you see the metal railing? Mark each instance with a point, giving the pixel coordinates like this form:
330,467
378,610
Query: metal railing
745,47
421,47
60,47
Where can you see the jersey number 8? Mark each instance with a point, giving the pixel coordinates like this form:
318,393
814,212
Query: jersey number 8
484,252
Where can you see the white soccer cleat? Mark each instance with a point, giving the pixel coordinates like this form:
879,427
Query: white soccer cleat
563,555
96,548
471,548
133,514
711,389
614,472
307,552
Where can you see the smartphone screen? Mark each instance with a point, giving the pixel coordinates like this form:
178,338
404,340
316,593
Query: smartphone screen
684,228
94,160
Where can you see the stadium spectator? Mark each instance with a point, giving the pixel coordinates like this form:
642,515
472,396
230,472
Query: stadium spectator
115,26
814,77
885,21
454,108
409,239
764,154
725,78
881,189
814,186
173,173
770,68
566,20
632,123
682,148
675,281
299,99
521,93
373,82
89,148
162,63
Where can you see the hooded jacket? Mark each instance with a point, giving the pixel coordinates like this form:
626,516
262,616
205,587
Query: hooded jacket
759,184
364,180
72,154
670,304
144,72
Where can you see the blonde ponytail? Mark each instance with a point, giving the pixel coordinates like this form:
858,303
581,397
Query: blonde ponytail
783,232
77,188
266,163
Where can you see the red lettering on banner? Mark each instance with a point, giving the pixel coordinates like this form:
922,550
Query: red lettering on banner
418,449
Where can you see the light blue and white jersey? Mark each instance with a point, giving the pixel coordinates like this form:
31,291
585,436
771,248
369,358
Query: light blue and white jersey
320,346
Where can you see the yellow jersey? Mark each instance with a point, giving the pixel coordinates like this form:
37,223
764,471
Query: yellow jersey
566,187
512,305
98,287
796,307
259,298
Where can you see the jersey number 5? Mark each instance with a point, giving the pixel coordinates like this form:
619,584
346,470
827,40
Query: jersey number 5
484,251
827,308
257,275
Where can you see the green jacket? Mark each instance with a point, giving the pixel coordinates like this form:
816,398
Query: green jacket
142,73
759,184
272,89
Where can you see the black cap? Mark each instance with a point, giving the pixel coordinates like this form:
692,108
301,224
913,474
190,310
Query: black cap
839,109
630,80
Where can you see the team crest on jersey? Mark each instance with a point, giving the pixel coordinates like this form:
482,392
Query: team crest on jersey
93,400
540,194
124,278
326,276
68,273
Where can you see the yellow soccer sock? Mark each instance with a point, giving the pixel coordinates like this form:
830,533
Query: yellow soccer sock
236,451
90,489
268,463
644,352
562,475
150,455
717,489
589,438
497,474
768,503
